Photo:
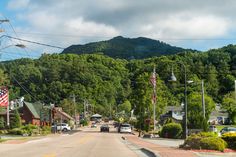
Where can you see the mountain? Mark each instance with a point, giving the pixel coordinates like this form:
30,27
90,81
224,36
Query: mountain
127,48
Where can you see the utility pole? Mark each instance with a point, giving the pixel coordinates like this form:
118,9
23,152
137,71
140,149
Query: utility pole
203,100
73,99
235,90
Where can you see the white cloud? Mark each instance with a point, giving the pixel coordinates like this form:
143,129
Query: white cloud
17,4
75,22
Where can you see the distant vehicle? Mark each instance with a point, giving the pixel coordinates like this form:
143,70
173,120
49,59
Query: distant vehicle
212,128
115,124
62,127
94,125
125,128
104,128
228,130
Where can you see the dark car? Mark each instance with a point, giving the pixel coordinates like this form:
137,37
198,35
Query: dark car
104,128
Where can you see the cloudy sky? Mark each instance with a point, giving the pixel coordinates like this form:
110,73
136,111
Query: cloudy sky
202,24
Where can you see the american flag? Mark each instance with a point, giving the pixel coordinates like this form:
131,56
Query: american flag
3,96
153,78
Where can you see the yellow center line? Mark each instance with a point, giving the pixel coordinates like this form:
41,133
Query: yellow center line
85,139
50,155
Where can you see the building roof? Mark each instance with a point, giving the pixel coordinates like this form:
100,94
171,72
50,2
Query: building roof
33,109
174,108
96,116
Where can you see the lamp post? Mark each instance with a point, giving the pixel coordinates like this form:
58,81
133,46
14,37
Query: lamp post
173,79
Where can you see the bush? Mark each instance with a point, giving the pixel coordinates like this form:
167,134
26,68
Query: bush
204,140
17,131
84,122
213,143
171,130
230,138
46,130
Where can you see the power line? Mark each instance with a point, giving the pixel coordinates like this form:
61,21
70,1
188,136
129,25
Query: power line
34,42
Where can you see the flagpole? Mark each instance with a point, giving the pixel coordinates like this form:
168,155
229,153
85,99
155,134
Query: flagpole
8,115
154,103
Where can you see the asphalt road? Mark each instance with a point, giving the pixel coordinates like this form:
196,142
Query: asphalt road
87,143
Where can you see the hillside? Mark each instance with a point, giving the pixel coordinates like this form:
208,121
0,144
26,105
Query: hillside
127,48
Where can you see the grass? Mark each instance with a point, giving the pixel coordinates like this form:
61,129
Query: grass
2,140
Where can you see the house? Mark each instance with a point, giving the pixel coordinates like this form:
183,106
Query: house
219,116
59,115
35,113
172,112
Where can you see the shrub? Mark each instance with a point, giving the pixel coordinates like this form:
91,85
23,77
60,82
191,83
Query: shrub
17,131
230,138
2,123
46,130
213,143
204,140
171,130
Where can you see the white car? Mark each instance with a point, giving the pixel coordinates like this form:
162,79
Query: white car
63,127
125,128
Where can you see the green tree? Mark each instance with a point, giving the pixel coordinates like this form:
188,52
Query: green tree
126,106
229,103
2,123
195,110
15,121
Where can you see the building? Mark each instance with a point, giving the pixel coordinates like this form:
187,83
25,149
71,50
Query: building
172,112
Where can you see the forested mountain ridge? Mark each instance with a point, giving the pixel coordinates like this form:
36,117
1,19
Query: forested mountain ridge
107,82
126,48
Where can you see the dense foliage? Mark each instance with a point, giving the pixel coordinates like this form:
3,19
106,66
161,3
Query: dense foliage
171,130
204,141
109,84
120,47
230,138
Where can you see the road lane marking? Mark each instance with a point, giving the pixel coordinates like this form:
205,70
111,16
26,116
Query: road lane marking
50,155
85,139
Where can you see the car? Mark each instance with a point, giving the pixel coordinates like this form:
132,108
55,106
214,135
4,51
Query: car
125,128
62,127
213,128
104,128
94,125
227,130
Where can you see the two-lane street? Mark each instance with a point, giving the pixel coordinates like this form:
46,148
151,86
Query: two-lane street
87,143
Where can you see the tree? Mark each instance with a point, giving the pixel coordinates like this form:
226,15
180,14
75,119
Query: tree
126,106
229,103
15,120
2,123
195,111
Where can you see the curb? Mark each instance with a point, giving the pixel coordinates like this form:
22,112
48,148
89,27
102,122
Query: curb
149,152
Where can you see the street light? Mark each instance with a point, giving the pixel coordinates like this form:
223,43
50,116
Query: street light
173,79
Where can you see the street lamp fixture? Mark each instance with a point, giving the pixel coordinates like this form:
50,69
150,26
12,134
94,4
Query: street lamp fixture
185,119
17,45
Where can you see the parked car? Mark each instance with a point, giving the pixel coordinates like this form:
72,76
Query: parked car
125,128
213,128
104,128
62,127
94,125
227,130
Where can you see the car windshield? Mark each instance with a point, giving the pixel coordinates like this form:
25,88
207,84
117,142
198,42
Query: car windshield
125,125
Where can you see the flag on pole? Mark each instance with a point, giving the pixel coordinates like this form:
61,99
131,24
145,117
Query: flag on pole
4,97
153,78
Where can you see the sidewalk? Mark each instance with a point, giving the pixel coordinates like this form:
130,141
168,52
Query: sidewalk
160,150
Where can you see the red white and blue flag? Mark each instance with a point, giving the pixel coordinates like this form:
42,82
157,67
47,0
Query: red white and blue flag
153,78
153,82
4,97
